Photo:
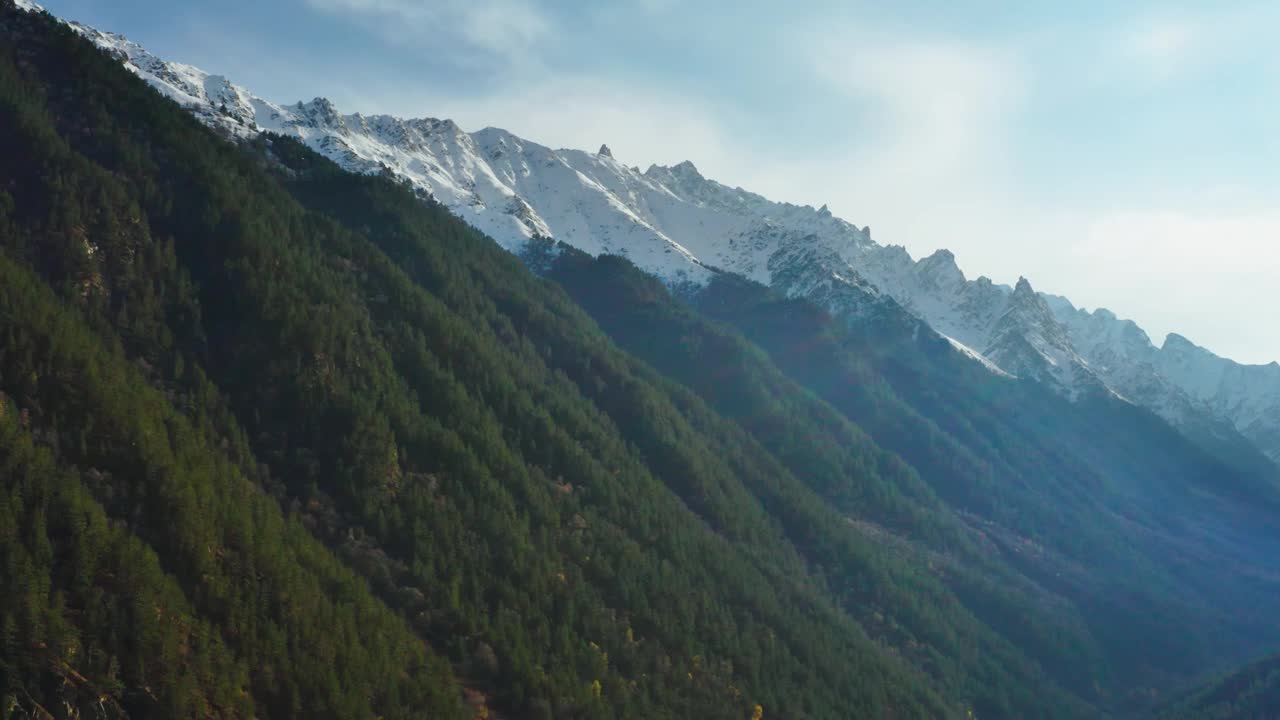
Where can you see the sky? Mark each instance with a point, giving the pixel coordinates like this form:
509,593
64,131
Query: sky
1125,155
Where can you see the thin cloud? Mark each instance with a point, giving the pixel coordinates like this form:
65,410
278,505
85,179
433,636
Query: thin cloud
1164,46
1203,273
1165,41
505,31
935,107
1167,44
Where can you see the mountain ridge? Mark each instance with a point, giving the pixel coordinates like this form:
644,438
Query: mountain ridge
683,227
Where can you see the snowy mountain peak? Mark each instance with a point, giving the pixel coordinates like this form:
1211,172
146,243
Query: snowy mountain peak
1027,308
497,140
605,151
1181,381
1173,342
682,175
1028,341
941,255
686,169
320,113
941,269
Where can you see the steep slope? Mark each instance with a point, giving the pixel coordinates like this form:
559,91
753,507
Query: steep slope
816,442
1058,541
1135,527
575,533
1247,394
146,572
360,442
1027,341
132,588
896,599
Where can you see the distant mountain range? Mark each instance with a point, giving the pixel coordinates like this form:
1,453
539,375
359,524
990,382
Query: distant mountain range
683,227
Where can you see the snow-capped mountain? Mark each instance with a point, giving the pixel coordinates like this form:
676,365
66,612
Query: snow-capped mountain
684,227
1181,381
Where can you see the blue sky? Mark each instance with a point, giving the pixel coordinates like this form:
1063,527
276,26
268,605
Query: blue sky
1125,155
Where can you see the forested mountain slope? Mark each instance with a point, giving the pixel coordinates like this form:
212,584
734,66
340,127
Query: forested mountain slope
261,461
277,440
1116,552
1165,548
1250,693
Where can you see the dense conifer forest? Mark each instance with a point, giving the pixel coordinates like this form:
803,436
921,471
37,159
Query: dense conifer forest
1250,693
1049,528
281,441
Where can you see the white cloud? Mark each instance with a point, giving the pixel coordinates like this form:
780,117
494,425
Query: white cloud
935,105
926,156
1164,41
1189,243
1166,44
657,7
502,25
1210,275
505,29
